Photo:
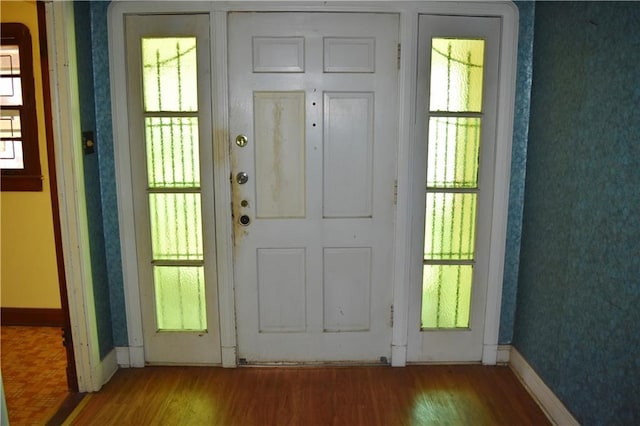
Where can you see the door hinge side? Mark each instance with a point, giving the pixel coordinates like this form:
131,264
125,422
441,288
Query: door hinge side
395,192
391,317
399,54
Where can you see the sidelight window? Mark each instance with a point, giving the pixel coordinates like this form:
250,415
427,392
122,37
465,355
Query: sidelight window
452,186
170,101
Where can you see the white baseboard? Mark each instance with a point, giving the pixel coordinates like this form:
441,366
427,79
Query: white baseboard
489,354
398,356
109,366
229,357
122,355
544,396
103,371
504,352
130,356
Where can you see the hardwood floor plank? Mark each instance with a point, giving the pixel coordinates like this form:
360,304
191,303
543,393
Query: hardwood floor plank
415,395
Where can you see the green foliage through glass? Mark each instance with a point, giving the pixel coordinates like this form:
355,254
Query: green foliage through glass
173,160
446,296
170,74
170,92
450,226
452,186
457,67
454,145
180,302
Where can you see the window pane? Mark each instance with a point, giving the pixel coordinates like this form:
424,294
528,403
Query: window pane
176,225
10,91
450,226
180,297
10,124
452,160
446,296
9,59
10,88
456,74
169,74
11,156
173,159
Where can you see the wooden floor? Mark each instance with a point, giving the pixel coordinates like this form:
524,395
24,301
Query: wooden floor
415,395
33,373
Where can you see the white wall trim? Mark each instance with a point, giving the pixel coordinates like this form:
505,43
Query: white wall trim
404,217
124,178
107,367
122,356
73,211
402,285
130,356
222,192
504,140
503,355
544,396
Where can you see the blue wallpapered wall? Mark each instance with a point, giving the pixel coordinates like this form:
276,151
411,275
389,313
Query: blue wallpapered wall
93,57
579,289
92,180
518,163
104,129
99,41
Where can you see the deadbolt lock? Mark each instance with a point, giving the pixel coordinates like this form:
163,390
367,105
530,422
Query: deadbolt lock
241,141
242,178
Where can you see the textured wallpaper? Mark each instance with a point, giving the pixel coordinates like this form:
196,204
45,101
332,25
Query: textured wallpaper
92,181
578,299
518,168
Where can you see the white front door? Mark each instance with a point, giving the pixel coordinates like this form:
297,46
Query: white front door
315,96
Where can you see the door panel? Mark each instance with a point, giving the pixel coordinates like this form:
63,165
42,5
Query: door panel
315,95
348,116
280,157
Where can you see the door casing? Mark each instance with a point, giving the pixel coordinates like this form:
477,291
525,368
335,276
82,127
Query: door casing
409,12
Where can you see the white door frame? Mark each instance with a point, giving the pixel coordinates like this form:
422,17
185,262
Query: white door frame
409,12
92,371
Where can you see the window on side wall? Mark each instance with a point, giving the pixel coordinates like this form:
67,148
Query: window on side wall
19,158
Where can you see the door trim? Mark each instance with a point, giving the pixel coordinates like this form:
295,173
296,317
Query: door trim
402,261
92,371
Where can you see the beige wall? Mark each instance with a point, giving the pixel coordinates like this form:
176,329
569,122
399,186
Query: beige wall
28,274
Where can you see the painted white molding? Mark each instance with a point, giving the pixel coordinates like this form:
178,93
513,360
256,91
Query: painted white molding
122,356
404,217
222,190
544,396
136,356
398,356
70,176
123,174
489,354
504,352
229,356
130,356
107,367
502,169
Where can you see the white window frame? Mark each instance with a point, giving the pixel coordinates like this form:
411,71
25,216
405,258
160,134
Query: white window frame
409,12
